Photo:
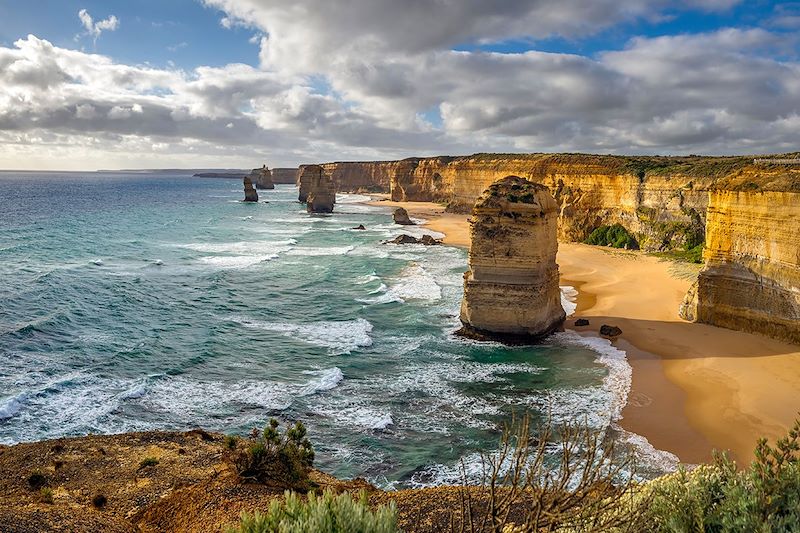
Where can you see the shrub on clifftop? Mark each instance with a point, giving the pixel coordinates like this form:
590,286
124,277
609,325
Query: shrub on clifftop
321,514
271,458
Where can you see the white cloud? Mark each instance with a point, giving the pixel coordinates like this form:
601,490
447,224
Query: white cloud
343,84
94,29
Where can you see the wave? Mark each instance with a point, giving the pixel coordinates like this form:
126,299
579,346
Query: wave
237,261
326,380
341,337
239,247
359,416
569,299
414,283
317,251
618,380
12,406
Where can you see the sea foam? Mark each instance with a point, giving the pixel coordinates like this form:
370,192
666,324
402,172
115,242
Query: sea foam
341,337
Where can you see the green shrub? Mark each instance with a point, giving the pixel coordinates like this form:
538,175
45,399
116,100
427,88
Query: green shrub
717,497
615,236
46,494
231,441
148,461
282,460
325,514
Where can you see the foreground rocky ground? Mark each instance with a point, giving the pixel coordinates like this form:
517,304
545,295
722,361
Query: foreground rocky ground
161,481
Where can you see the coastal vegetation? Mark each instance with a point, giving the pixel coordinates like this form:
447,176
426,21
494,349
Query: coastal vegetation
615,236
327,513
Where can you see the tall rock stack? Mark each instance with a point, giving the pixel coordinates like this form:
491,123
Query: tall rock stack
319,190
307,175
511,289
250,194
262,178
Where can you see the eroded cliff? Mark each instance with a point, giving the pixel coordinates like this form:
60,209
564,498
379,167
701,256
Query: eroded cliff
751,279
511,289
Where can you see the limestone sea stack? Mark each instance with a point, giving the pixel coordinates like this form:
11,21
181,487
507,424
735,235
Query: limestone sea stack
262,178
511,290
305,176
250,194
321,192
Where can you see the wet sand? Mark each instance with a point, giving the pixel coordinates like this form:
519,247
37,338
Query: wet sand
695,387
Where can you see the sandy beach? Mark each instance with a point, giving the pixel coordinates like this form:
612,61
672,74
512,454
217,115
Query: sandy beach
695,387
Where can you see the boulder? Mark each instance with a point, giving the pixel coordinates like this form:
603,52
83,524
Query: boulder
360,227
250,194
610,332
581,322
401,217
404,239
427,240
511,290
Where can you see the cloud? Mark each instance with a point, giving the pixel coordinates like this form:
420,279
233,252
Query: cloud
341,83
94,29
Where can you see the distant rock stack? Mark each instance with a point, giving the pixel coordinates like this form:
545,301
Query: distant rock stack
306,175
511,290
319,189
401,217
250,194
262,177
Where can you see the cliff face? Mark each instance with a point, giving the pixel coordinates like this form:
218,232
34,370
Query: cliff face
751,280
285,176
373,176
661,200
262,177
511,287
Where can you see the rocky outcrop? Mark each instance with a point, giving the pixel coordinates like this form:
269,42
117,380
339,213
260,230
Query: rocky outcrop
318,188
751,278
250,194
511,289
427,240
371,176
262,178
400,216
285,176
305,176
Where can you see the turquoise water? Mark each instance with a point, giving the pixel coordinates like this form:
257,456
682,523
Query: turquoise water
136,302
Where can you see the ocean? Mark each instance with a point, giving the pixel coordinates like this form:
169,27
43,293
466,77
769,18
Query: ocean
135,301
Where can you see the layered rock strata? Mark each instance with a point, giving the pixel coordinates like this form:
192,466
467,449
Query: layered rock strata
305,176
751,278
250,194
284,176
319,188
262,177
511,289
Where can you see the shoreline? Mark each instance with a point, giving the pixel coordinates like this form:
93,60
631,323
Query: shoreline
695,388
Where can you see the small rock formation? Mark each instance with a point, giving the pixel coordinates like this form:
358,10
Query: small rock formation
401,217
511,289
250,194
317,188
610,332
427,240
262,178
360,227
581,322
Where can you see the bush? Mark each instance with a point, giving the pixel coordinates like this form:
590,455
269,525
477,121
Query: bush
272,458
718,497
325,514
615,236
46,495
148,461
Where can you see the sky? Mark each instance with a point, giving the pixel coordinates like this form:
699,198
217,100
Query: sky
109,84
